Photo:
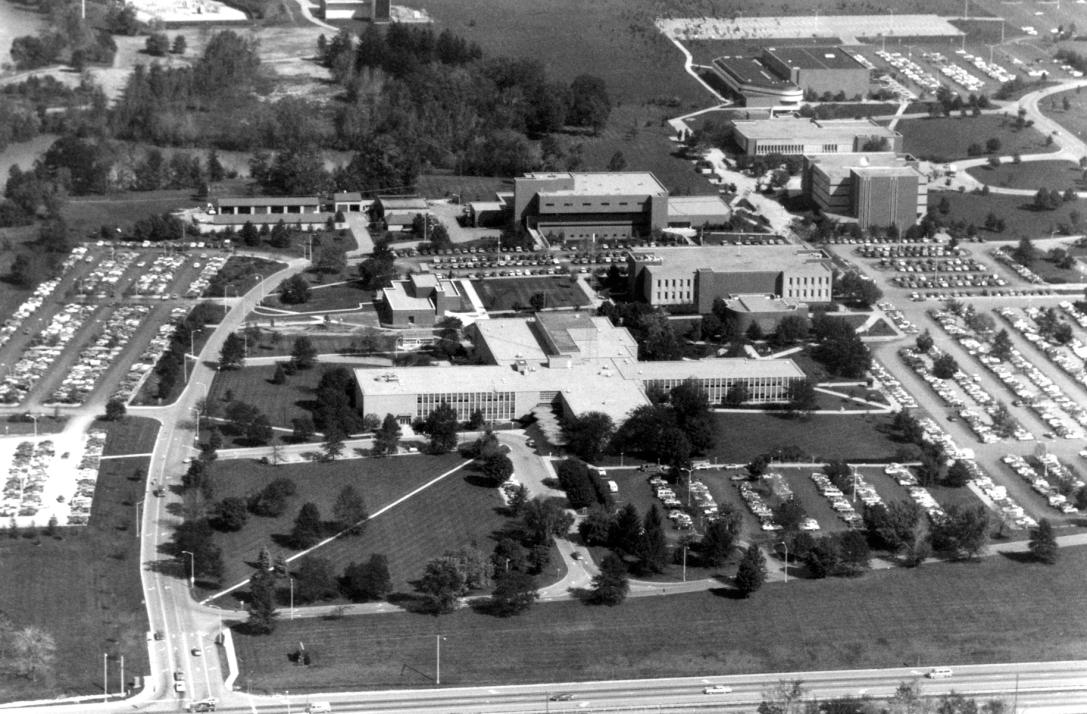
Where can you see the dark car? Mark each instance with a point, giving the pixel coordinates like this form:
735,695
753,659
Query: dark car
564,697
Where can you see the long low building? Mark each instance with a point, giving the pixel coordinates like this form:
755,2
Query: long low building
754,81
574,362
797,136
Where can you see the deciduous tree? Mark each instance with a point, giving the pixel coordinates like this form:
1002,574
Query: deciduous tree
751,573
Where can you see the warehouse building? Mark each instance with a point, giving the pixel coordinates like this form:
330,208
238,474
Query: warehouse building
698,276
877,189
792,136
574,362
755,83
819,70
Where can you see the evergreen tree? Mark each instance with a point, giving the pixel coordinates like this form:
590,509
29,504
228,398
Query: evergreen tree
752,571
611,585
652,547
262,603
349,511
1043,544
307,527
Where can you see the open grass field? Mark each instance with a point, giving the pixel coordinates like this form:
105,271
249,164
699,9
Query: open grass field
1032,175
346,296
1020,217
1074,119
451,513
133,435
743,436
83,586
947,139
510,293
997,610
90,212
279,402
469,188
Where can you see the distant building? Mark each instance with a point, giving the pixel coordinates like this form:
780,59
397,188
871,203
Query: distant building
755,82
697,211
419,301
268,205
372,10
765,310
819,70
583,206
698,276
398,213
349,202
795,136
570,361
878,189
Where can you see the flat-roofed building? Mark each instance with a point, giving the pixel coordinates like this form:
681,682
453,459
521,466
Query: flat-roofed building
399,213
791,136
755,83
764,310
270,205
695,211
349,202
878,189
819,70
698,276
583,206
419,301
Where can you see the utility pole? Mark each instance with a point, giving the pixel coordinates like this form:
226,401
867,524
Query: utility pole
105,677
438,659
122,675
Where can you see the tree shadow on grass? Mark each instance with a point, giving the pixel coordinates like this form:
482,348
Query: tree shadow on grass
728,593
476,479
413,603
1019,557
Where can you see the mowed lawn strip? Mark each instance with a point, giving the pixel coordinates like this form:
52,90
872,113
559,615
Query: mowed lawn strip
948,138
446,515
131,435
84,586
1018,212
997,610
741,436
1058,175
279,402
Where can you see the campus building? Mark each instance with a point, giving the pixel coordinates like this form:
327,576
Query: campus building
819,70
754,82
764,310
420,300
398,213
877,189
573,362
698,276
268,205
792,136
372,10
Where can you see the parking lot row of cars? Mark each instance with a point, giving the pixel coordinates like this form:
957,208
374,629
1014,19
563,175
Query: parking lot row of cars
208,270
150,356
946,281
154,280
29,306
47,347
896,316
840,503
755,503
991,69
894,251
103,279
99,354
931,265
961,77
874,240
1068,356
909,68
25,482
1002,255
893,386
1073,312
1042,483
86,478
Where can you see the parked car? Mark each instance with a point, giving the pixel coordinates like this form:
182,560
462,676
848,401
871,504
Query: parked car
717,689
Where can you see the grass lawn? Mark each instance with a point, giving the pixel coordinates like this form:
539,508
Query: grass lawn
334,297
997,610
451,513
83,586
946,139
469,188
1057,175
1073,120
506,293
1020,216
124,209
279,402
743,436
1049,272
239,275
133,435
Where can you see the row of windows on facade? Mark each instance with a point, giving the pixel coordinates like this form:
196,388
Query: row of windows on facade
493,405
794,149
551,204
759,389
804,280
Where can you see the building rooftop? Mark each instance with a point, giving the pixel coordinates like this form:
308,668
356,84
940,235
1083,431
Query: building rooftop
680,207
404,204
683,262
584,336
802,130
873,171
604,183
750,71
760,303
510,340
269,201
739,367
815,57
397,298
348,195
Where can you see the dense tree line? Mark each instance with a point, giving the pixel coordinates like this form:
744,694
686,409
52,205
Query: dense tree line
169,367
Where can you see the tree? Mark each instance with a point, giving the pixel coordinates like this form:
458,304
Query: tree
924,341
369,580
802,397
333,444
387,437
514,593
303,353
302,428
992,145
443,583
307,529
232,355
858,288
963,533
259,431
751,573
441,426
839,348
349,512
544,519
115,409
294,291
611,585
1025,253
178,48
315,580
498,468
944,366
262,603
791,329
627,530
157,44
789,514
230,514
737,394
589,434
280,375
652,548
1001,347
618,162
958,474
1043,544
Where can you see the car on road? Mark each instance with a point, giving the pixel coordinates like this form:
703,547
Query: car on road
197,652
158,635
179,686
576,555
939,673
563,697
179,676
717,689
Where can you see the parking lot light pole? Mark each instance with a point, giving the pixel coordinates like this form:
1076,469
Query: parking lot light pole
292,596
35,418
785,545
438,659
192,567
138,504
260,284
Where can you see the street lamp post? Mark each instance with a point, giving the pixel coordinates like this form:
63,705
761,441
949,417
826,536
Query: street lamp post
260,284
785,545
438,659
35,418
105,677
192,567
292,596
138,504
688,487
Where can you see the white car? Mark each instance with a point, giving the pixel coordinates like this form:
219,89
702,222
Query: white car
717,689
